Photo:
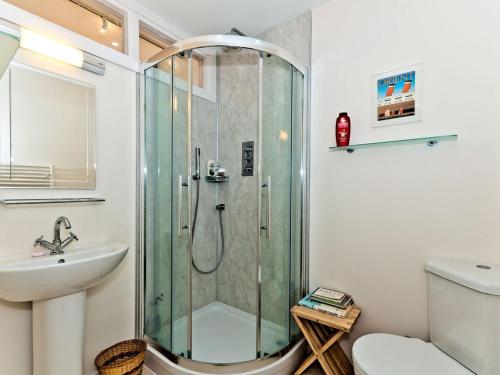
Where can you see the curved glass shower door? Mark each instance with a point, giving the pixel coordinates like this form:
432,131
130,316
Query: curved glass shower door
167,206
276,183
223,204
181,207
158,206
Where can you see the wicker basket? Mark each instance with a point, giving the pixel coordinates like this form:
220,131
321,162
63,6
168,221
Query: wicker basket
124,358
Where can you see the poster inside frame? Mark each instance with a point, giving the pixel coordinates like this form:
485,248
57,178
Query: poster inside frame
397,96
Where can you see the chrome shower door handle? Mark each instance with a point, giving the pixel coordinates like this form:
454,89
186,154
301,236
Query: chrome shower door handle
268,225
180,206
269,207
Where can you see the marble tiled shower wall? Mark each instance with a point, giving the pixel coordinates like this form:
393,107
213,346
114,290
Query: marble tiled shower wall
236,278
206,238
238,122
294,36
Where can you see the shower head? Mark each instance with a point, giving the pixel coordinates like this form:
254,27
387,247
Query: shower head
237,32
197,153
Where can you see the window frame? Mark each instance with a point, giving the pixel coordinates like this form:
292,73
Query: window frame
93,12
208,70
133,14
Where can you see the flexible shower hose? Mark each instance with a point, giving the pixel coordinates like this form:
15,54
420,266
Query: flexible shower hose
221,257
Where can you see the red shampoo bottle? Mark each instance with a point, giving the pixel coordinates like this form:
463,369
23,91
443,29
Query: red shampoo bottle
343,130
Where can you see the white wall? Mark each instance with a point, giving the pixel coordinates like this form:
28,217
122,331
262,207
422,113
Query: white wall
377,215
110,306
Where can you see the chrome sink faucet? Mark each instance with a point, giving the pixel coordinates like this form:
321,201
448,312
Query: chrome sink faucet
56,246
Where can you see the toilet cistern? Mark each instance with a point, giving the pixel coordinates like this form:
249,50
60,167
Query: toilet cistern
463,305
57,246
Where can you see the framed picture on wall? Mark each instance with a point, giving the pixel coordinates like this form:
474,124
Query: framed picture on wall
397,96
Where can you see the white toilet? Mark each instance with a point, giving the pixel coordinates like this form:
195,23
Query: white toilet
464,318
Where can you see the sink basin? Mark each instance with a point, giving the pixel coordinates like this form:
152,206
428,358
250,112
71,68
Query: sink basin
57,286
27,278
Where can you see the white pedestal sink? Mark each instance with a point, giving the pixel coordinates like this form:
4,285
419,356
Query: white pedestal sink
57,286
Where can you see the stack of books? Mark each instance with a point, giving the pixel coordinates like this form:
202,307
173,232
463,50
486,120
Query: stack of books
329,301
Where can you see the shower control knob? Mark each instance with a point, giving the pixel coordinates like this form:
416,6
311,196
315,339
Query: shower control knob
247,158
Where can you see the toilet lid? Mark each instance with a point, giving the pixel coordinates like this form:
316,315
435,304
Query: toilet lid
384,354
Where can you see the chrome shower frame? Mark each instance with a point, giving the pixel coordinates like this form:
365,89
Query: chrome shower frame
187,46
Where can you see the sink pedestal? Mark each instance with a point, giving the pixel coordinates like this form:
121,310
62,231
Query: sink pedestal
59,335
56,284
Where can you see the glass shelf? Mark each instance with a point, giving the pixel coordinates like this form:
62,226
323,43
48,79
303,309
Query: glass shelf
429,141
16,202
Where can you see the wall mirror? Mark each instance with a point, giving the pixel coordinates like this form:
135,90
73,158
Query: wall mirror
47,131
10,38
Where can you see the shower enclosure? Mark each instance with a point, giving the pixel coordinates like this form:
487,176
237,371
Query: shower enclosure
224,199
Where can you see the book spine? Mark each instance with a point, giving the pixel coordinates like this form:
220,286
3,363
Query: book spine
341,304
339,315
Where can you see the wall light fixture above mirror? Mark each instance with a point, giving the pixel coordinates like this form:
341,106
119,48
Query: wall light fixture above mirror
13,36
47,130
43,45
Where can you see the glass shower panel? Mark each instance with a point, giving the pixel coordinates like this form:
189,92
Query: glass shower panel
158,205
180,213
276,171
237,123
206,217
297,190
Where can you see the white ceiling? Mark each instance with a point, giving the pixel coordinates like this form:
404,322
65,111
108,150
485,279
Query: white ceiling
200,17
